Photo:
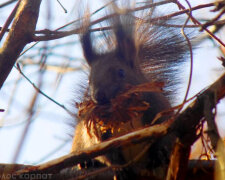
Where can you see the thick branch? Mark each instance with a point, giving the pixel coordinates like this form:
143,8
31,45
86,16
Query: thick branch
72,159
185,127
187,121
20,34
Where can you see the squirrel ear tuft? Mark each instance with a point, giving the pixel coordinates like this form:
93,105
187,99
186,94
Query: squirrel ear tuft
89,53
124,31
86,40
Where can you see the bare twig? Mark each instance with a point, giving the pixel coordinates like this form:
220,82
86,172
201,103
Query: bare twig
7,3
179,157
9,20
41,92
212,21
194,20
51,35
62,6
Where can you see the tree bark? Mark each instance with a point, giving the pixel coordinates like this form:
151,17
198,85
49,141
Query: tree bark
19,36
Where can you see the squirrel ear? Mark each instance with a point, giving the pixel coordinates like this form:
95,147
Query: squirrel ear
89,53
124,32
85,38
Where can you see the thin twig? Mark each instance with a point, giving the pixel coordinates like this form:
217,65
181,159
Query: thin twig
194,20
9,20
7,3
211,22
52,35
191,54
60,36
62,6
41,92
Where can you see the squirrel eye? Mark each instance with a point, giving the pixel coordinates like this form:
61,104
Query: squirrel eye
121,73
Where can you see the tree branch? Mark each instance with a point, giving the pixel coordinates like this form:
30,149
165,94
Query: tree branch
20,34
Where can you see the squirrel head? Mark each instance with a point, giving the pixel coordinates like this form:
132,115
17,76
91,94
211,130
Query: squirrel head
110,72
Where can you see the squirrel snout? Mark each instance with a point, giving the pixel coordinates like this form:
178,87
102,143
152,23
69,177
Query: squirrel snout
101,98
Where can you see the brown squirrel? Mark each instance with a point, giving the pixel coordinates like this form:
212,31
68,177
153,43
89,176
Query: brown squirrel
141,52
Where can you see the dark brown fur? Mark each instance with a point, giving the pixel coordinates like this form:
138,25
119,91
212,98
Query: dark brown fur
142,53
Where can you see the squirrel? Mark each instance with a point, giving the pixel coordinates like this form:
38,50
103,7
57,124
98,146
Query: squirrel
139,52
